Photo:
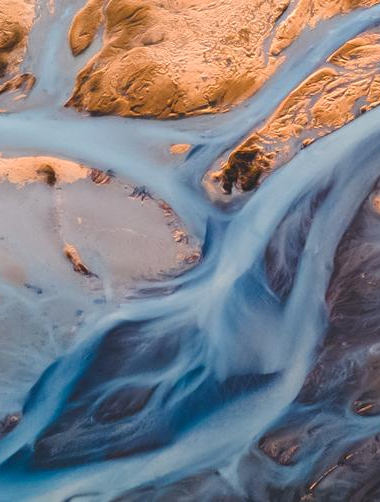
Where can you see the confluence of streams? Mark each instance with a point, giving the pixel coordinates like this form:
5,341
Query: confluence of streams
220,360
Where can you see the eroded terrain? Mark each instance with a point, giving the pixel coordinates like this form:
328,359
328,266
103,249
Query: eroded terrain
347,86
16,21
186,349
163,59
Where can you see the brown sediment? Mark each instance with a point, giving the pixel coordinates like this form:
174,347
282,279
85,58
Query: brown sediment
51,170
72,254
352,473
165,59
85,25
375,201
16,20
282,450
329,98
24,82
11,271
180,236
319,480
100,177
9,423
185,57
368,404
307,14
180,148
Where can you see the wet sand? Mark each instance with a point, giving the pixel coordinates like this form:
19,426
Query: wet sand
162,338
119,231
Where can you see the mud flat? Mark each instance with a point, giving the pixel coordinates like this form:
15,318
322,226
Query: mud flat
129,373
74,242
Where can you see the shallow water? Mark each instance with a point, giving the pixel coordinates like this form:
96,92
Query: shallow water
182,386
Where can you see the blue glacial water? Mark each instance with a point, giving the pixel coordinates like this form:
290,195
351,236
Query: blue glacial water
181,386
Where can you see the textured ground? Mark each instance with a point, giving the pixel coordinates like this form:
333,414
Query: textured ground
253,376
165,58
72,239
348,85
16,20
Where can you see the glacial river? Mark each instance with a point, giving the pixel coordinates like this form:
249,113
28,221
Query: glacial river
182,385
